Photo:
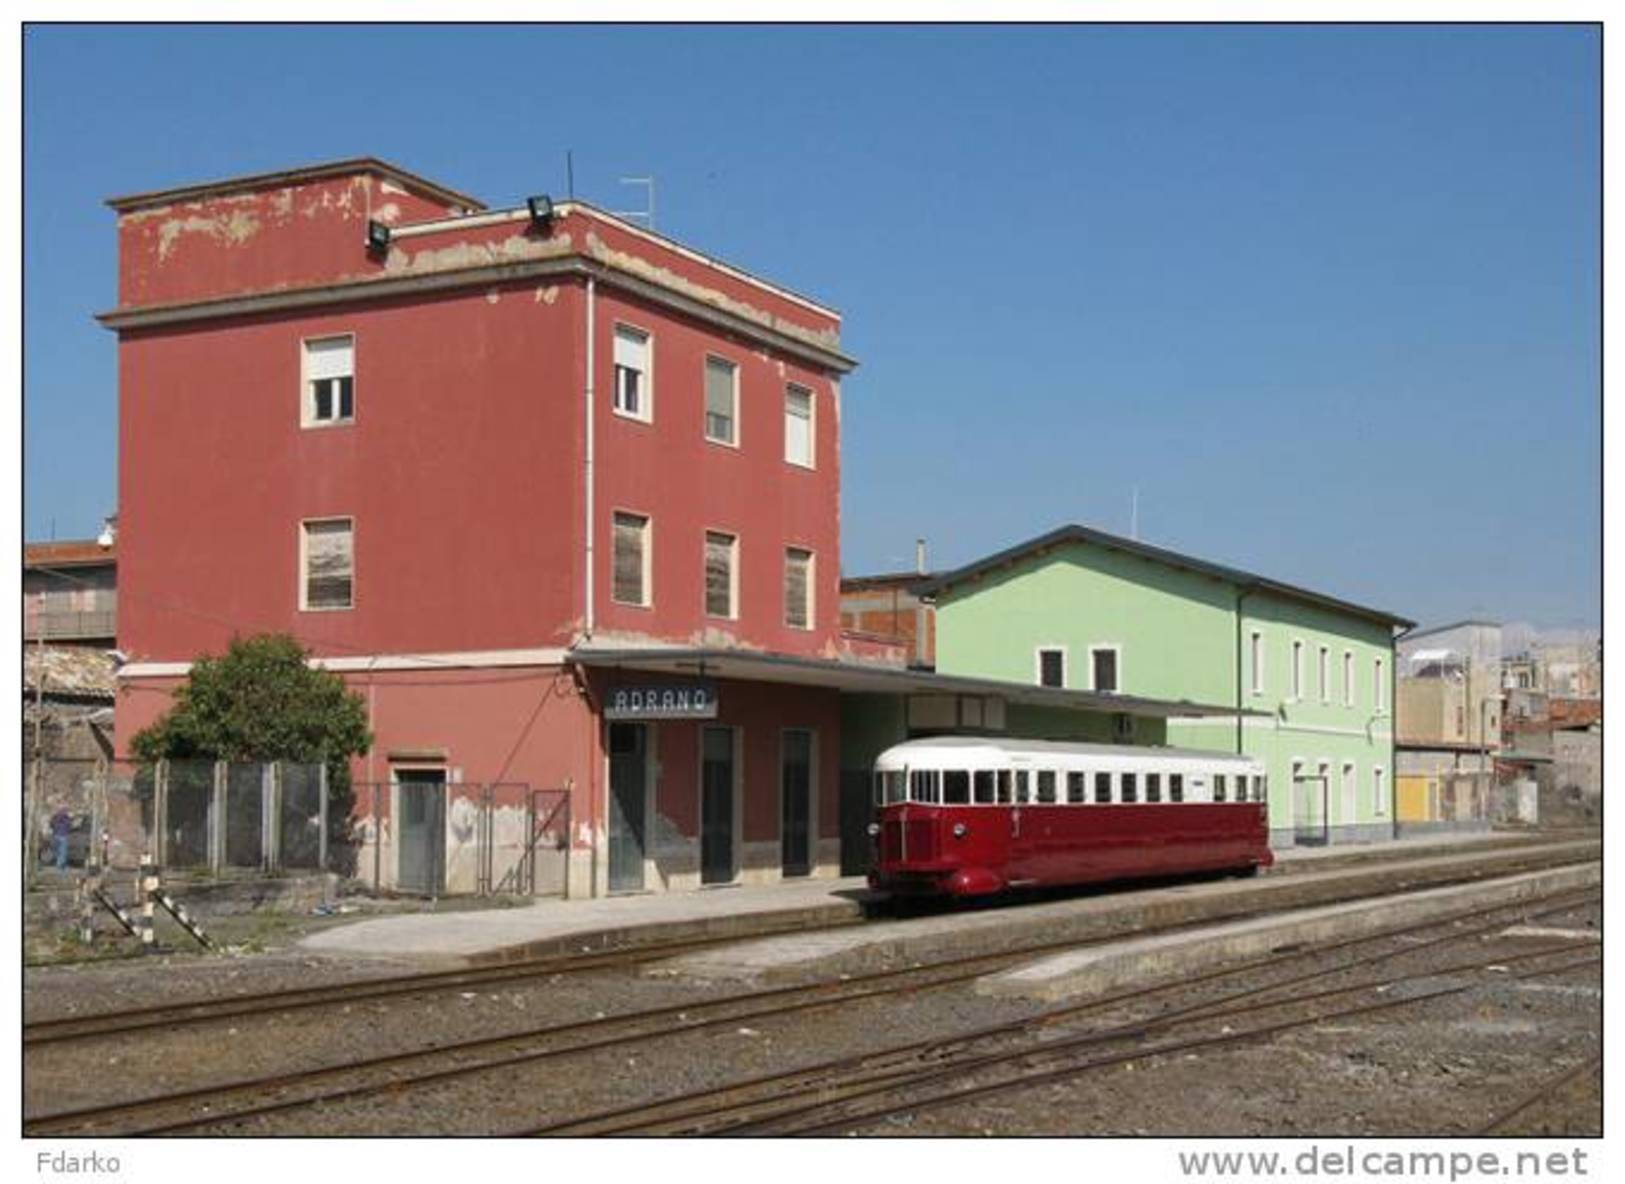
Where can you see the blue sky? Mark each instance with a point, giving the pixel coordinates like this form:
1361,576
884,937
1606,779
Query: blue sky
1328,297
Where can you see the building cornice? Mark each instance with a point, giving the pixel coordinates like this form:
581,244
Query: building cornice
387,287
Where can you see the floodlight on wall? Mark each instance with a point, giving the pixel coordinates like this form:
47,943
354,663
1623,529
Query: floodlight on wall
541,211
377,237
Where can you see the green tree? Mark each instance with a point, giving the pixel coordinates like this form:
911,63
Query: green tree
262,701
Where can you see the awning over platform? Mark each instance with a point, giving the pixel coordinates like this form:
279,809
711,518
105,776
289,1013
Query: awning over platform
864,678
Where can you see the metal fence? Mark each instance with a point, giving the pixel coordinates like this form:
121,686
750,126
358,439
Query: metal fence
422,836
205,817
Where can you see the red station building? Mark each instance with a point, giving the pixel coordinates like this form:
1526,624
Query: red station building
557,495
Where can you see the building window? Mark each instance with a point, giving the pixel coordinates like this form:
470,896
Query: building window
630,582
721,568
721,401
798,426
329,381
1350,805
1379,688
1103,667
1323,669
798,588
1257,663
1052,667
632,386
327,564
1297,669
1379,799
1348,678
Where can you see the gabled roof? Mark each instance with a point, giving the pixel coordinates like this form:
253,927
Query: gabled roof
1073,533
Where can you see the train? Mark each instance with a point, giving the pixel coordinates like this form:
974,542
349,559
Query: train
974,816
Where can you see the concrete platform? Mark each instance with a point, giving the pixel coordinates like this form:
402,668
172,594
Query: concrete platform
559,926
1140,962
1091,915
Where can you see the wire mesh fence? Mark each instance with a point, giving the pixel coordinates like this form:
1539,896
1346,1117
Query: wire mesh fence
421,836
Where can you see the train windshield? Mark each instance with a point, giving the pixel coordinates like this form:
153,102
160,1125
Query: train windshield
891,788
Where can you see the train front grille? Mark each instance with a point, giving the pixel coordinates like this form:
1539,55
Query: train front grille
908,840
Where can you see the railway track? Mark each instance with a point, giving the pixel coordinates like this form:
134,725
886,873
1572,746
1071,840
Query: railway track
764,1105
210,1106
167,1016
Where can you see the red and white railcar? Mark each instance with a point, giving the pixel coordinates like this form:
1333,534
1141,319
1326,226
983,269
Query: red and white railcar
975,815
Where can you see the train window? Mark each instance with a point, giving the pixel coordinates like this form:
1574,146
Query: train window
1075,787
1218,787
1046,787
1153,787
1103,787
1024,792
1176,787
984,787
923,785
1129,792
1004,787
893,788
955,787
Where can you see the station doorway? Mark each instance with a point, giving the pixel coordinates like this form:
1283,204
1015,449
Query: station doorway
422,840
628,805
1311,826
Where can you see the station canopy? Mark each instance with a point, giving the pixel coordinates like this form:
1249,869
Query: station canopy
877,679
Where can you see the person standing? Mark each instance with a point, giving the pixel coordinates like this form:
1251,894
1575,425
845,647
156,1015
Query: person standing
61,828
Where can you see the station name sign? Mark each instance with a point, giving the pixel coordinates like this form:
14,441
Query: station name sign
685,700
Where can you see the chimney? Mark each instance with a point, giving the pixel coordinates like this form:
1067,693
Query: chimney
919,556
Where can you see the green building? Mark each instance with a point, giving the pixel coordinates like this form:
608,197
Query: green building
1312,676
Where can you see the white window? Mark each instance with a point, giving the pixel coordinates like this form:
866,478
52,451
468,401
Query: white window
721,574
629,583
1348,678
798,426
1297,669
798,588
329,381
1103,667
1052,666
1350,804
327,564
721,401
1379,798
1324,670
1379,688
633,392
1257,661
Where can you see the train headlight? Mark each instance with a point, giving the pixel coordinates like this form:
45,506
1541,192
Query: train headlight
960,830
874,828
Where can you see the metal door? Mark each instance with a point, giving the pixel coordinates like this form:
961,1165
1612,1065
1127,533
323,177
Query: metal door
628,823
717,807
795,803
1309,823
857,812
422,826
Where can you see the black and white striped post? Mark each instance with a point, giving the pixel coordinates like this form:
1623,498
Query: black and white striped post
147,893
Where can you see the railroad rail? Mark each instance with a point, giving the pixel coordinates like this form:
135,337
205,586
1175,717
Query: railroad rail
211,1106
763,1104
168,1016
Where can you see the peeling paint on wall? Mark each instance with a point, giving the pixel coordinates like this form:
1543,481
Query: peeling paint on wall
666,278
492,295
235,228
460,255
547,293
388,212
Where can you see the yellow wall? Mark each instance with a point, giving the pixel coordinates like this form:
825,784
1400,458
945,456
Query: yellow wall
1414,799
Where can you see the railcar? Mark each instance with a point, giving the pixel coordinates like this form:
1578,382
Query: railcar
977,815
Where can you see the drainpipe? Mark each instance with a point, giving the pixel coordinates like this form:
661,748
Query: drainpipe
587,476
1241,596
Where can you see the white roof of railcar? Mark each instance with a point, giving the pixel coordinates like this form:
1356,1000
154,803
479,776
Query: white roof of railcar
980,749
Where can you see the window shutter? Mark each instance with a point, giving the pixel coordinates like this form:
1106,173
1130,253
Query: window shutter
332,358
719,575
628,565
796,564
329,565
798,445
631,349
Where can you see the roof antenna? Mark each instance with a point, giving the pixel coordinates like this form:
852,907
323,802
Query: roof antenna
570,174
647,215
1134,515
